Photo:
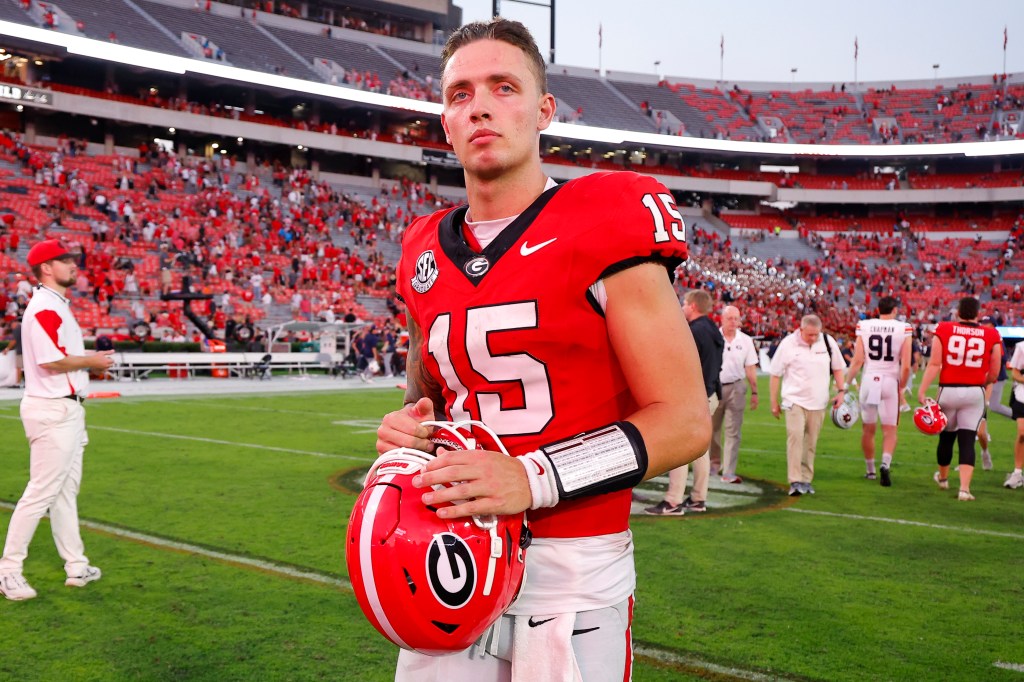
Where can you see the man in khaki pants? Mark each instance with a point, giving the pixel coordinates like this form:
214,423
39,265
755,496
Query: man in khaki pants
803,363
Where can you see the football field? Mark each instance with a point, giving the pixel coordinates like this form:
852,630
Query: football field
219,524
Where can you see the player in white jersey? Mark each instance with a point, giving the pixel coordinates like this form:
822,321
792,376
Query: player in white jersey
883,349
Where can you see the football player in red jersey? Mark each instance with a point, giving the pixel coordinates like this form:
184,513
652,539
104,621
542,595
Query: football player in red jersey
966,358
547,312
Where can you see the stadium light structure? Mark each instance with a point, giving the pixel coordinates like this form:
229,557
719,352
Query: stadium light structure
122,54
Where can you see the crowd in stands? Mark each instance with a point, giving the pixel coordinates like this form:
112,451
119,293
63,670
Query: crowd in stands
269,237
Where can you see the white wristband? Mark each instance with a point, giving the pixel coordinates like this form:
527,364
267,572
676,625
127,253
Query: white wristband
541,476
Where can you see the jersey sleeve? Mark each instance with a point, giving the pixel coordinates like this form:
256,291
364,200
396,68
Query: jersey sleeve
46,346
624,219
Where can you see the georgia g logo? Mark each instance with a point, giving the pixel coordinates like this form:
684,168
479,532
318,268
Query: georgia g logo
451,572
426,272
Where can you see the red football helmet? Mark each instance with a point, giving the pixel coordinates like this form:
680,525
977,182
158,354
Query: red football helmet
428,584
929,418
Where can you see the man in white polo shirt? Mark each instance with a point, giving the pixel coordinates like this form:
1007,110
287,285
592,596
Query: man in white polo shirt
803,363
56,380
739,362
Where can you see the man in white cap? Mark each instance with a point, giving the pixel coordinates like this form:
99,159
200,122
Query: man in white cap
52,411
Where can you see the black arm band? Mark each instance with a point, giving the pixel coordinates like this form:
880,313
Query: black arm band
600,461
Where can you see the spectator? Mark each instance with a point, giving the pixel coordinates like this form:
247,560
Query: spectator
803,363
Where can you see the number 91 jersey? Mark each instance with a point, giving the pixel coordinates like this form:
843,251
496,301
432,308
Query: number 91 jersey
513,334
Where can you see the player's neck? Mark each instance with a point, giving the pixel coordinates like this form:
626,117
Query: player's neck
504,196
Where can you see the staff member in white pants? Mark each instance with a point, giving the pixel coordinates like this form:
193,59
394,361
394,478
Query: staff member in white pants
56,380
739,362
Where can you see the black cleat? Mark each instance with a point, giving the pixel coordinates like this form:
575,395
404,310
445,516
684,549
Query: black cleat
886,480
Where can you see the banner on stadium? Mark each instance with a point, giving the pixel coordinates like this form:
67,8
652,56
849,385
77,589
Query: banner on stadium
440,157
30,95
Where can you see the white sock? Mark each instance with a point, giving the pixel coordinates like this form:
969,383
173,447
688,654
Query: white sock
870,464
1018,472
886,459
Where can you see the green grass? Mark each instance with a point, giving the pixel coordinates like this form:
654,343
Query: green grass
833,596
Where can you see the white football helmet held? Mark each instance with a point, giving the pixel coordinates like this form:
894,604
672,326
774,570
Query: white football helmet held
846,413
428,584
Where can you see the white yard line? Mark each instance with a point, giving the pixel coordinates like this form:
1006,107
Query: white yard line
1015,667
690,662
906,522
236,559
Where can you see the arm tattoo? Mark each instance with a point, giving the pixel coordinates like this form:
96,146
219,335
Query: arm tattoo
420,383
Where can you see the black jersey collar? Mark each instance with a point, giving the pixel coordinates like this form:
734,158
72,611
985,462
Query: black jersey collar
472,264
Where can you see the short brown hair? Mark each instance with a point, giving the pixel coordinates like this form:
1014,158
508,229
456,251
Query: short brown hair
968,308
700,299
505,30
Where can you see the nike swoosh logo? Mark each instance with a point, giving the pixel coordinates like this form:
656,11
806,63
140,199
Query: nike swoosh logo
534,623
526,249
584,631
540,469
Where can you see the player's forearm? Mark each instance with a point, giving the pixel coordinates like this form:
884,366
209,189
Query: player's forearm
674,434
71,363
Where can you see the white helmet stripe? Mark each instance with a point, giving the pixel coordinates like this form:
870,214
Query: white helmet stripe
366,563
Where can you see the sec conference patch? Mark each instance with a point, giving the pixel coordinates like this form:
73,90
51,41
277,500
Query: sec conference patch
426,272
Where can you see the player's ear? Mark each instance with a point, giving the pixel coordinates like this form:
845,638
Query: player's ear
545,111
444,124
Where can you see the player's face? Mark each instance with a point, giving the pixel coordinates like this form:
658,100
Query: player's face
64,271
493,108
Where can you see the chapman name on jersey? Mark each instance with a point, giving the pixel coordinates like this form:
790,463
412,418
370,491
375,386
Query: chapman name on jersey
512,333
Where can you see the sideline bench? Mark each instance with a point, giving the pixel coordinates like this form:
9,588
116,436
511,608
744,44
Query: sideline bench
140,365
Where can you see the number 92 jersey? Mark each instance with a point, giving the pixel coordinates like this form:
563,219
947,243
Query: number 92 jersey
966,352
512,333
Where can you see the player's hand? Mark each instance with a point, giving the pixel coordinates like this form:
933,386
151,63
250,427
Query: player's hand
403,428
490,482
776,410
101,359
921,398
837,401
753,401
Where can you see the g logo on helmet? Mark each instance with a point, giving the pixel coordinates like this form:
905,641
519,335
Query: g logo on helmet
930,419
451,572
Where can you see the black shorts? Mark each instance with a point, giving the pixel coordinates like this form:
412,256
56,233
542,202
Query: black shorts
1016,407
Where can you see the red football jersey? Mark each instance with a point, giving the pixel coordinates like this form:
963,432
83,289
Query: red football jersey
966,352
512,333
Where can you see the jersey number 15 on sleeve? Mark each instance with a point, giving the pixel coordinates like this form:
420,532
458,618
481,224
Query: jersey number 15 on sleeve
659,205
